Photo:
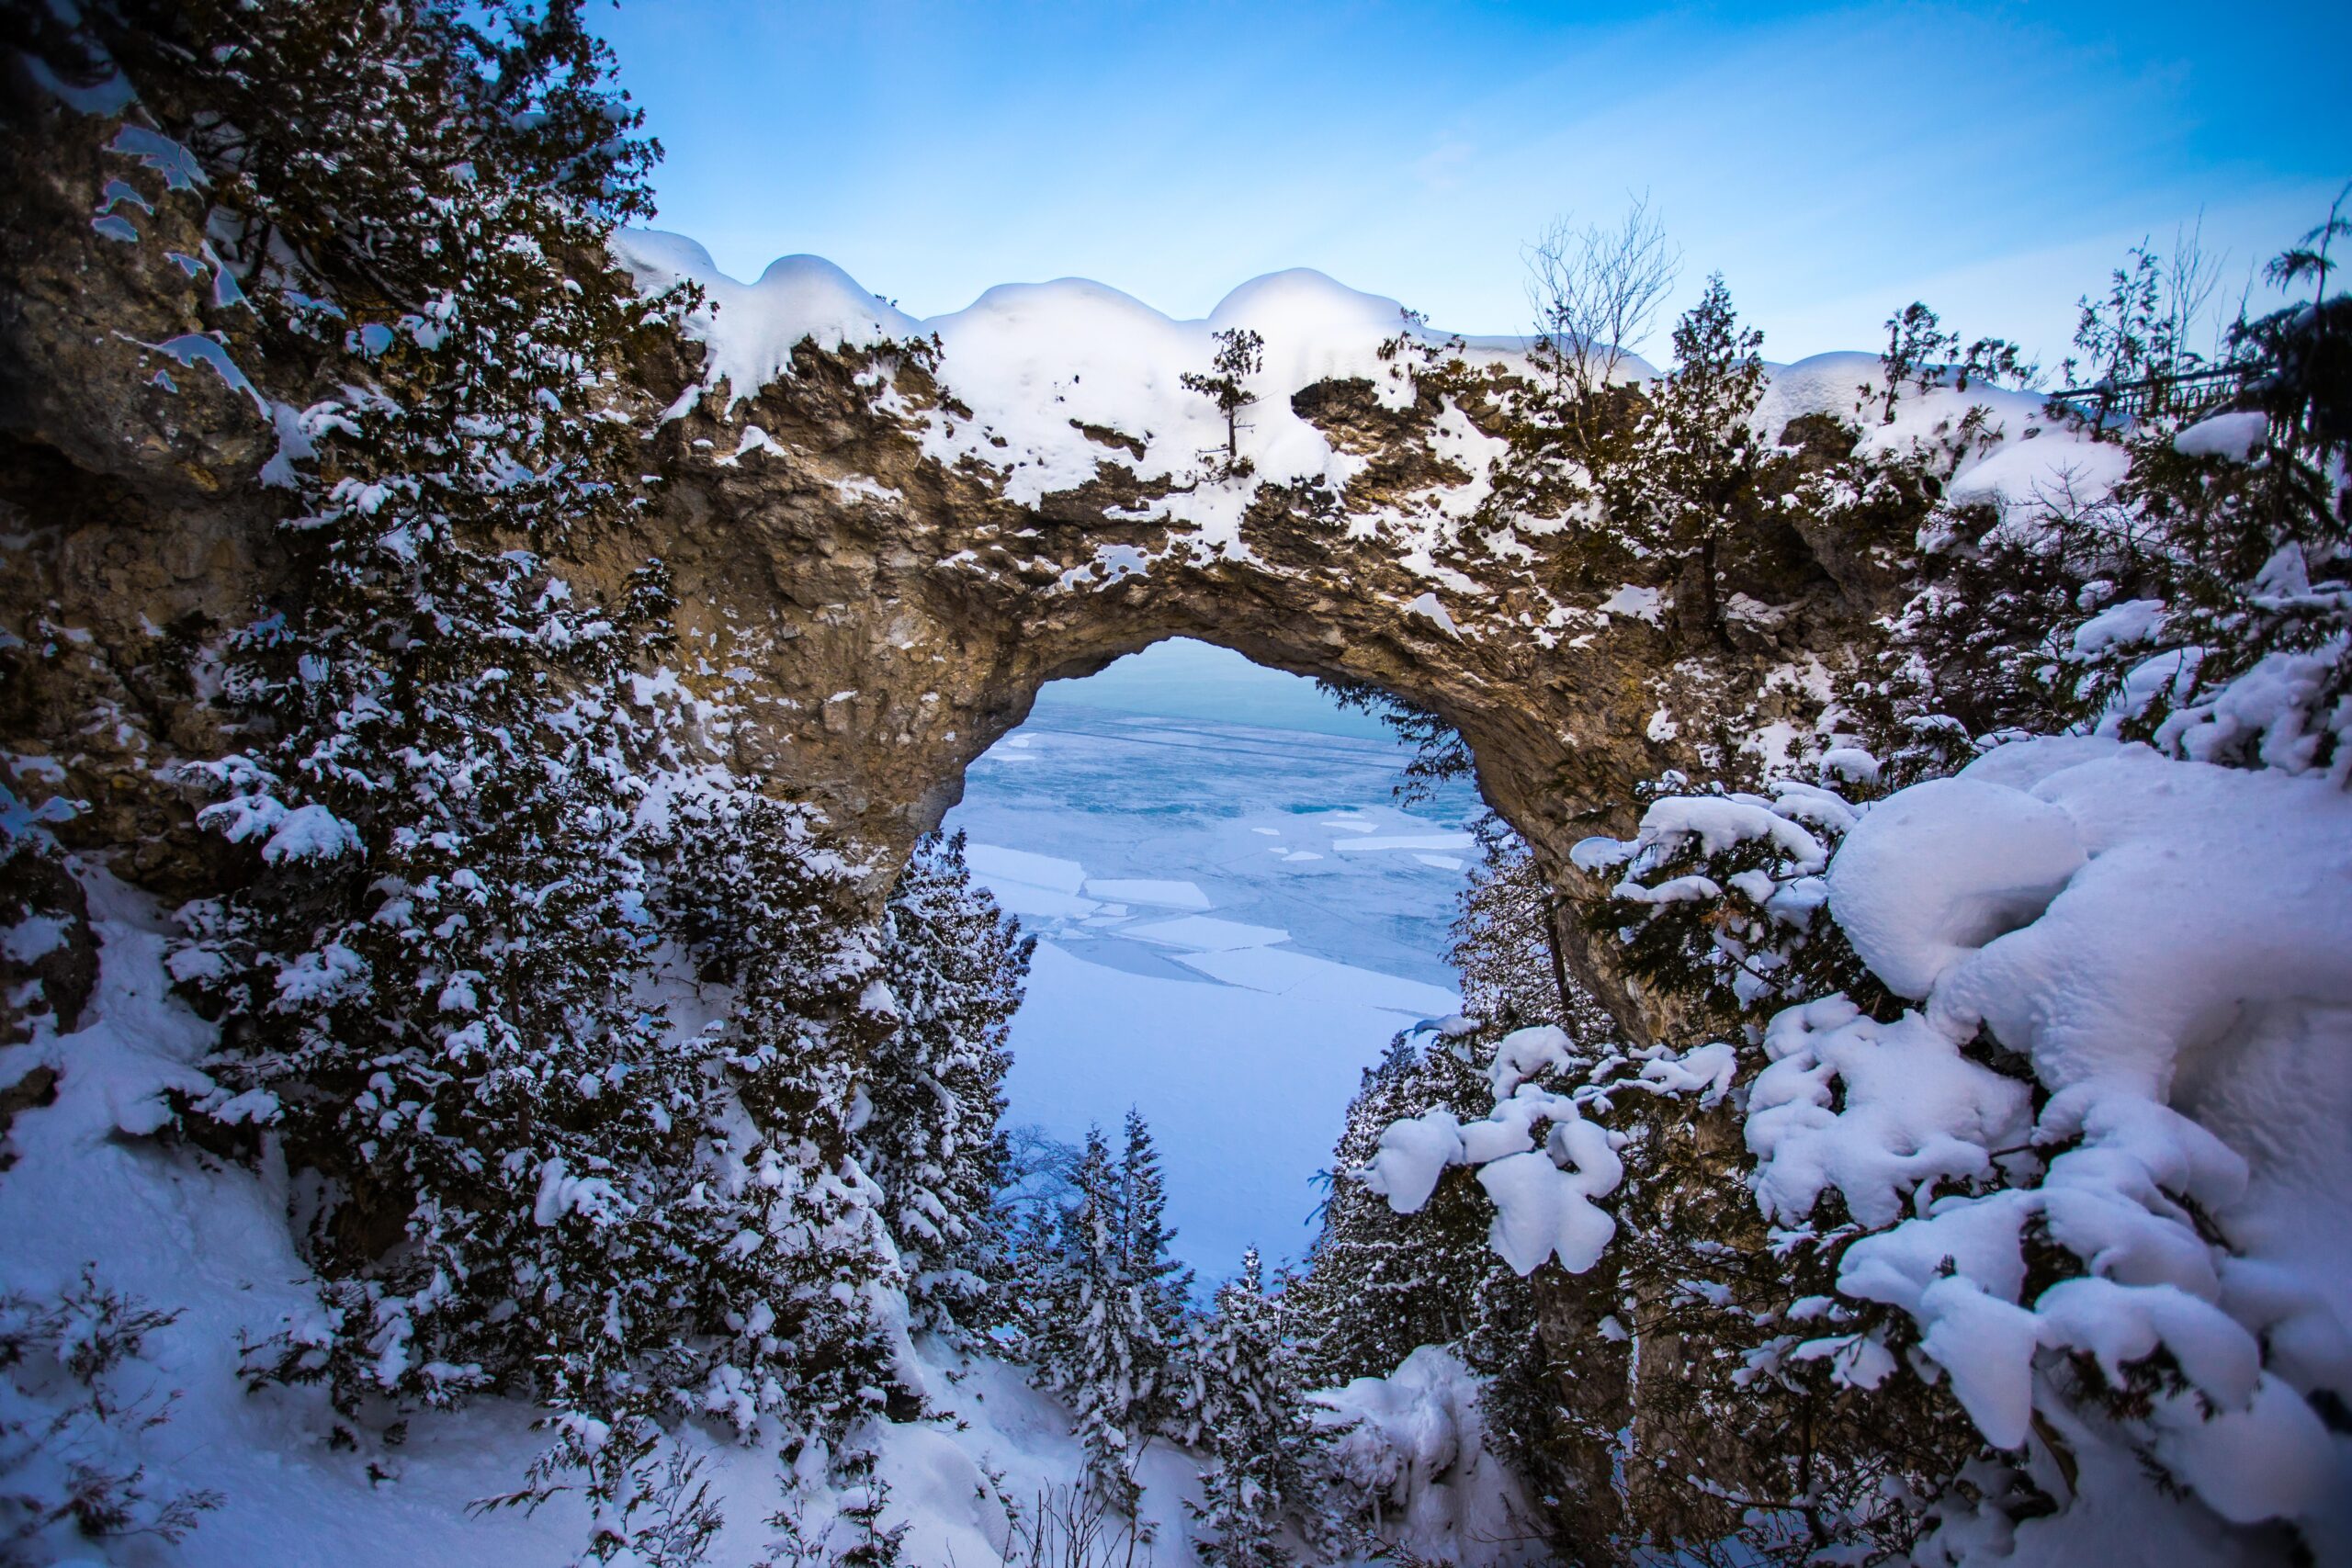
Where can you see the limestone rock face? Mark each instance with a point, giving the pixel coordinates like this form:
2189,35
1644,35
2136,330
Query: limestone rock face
891,616
884,601
133,523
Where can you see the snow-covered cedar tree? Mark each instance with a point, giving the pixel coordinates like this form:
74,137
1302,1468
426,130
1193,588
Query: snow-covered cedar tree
424,985
1240,353
1377,1284
802,1284
1612,1183
956,964
68,1473
1258,1433
1689,481
1163,1287
1107,1321
435,974
1720,903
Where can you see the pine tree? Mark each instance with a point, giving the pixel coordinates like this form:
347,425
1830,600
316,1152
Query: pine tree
1379,1284
796,1252
1161,1287
1261,1439
955,963
1506,950
1691,482
430,971
523,1177
1089,1331
1240,353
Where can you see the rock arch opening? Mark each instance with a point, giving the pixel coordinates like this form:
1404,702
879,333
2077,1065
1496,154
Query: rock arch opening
1235,917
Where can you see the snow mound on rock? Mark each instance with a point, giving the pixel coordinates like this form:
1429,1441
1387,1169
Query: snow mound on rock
750,329
2166,944
1416,1440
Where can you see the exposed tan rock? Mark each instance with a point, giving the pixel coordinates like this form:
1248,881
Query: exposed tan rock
883,615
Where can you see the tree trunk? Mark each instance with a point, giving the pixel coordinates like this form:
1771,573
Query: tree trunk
1559,960
1711,616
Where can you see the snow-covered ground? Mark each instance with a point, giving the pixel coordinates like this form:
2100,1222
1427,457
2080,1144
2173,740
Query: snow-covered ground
1233,920
209,1242
206,1242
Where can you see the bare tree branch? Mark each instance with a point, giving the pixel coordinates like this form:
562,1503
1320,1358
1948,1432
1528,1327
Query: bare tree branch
1596,292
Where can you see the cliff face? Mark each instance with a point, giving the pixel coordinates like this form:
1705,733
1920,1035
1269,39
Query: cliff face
882,551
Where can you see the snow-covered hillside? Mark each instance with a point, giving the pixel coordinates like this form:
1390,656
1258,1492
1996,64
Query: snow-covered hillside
185,1233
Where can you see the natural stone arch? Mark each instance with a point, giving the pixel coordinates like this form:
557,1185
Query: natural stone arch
883,610
885,604
888,615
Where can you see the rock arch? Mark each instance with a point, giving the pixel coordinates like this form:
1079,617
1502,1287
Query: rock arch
889,551
887,535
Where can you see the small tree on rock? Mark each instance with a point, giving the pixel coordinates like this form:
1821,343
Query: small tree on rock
1240,353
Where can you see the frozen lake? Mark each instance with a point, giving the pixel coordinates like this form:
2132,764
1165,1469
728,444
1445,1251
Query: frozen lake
1233,920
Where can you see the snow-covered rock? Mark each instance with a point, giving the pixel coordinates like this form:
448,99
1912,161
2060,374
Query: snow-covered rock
1415,1441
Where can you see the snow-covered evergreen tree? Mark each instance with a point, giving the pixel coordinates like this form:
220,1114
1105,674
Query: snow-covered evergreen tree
1689,482
955,963
1507,949
1379,1284
798,1265
1089,1327
473,842
1258,1431
1163,1287
1108,1318
428,979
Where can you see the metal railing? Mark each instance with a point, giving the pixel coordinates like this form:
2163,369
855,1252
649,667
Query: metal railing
2187,397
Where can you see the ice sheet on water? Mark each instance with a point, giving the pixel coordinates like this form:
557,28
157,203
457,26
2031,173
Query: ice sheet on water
1405,842
1144,890
993,864
1197,961
1204,933
1302,975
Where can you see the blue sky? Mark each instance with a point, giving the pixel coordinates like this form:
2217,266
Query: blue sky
1995,161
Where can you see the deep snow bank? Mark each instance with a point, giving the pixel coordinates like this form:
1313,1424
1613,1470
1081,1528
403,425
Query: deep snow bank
1416,1442
2169,946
